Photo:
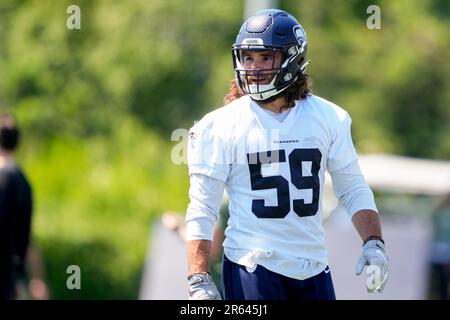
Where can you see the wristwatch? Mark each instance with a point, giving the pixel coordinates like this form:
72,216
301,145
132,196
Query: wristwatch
373,238
199,276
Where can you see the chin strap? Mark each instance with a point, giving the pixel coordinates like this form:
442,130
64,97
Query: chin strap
304,65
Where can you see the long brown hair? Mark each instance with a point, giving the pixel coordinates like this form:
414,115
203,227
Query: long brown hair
299,89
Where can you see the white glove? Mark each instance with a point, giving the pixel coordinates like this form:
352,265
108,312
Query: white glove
374,256
202,287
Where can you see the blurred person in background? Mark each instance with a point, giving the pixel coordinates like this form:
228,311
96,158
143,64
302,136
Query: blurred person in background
15,218
175,221
440,252
33,286
217,245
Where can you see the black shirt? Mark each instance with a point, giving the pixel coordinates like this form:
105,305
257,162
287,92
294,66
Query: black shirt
15,222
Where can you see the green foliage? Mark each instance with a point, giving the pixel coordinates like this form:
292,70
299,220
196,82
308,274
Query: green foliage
393,81
98,105
95,202
152,59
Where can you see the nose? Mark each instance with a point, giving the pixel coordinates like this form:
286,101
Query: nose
256,64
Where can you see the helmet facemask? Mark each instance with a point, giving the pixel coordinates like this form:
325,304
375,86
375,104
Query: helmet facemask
262,84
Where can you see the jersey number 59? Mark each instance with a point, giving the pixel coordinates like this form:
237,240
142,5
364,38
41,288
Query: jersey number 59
298,178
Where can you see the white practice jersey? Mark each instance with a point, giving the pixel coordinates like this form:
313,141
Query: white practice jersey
274,176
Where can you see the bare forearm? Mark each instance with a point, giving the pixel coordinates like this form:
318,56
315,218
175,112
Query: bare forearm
198,252
367,223
216,246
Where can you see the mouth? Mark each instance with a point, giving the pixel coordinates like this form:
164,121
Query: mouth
258,81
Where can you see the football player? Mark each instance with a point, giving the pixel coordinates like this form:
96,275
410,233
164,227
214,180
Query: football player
269,147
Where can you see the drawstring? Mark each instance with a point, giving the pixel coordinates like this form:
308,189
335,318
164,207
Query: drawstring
249,260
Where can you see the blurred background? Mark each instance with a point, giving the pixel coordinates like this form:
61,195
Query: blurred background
97,107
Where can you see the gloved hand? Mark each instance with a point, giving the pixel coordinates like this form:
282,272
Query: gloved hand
202,287
374,256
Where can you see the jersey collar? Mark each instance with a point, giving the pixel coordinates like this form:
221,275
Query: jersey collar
266,121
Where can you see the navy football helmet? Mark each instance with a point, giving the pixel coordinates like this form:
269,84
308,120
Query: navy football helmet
270,30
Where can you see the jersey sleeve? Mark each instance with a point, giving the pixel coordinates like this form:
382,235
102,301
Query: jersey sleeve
208,151
342,151
351,188
205,195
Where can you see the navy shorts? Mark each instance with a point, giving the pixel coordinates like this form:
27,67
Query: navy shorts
263,284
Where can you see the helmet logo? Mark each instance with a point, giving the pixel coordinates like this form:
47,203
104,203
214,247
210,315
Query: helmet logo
300,34
253,41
